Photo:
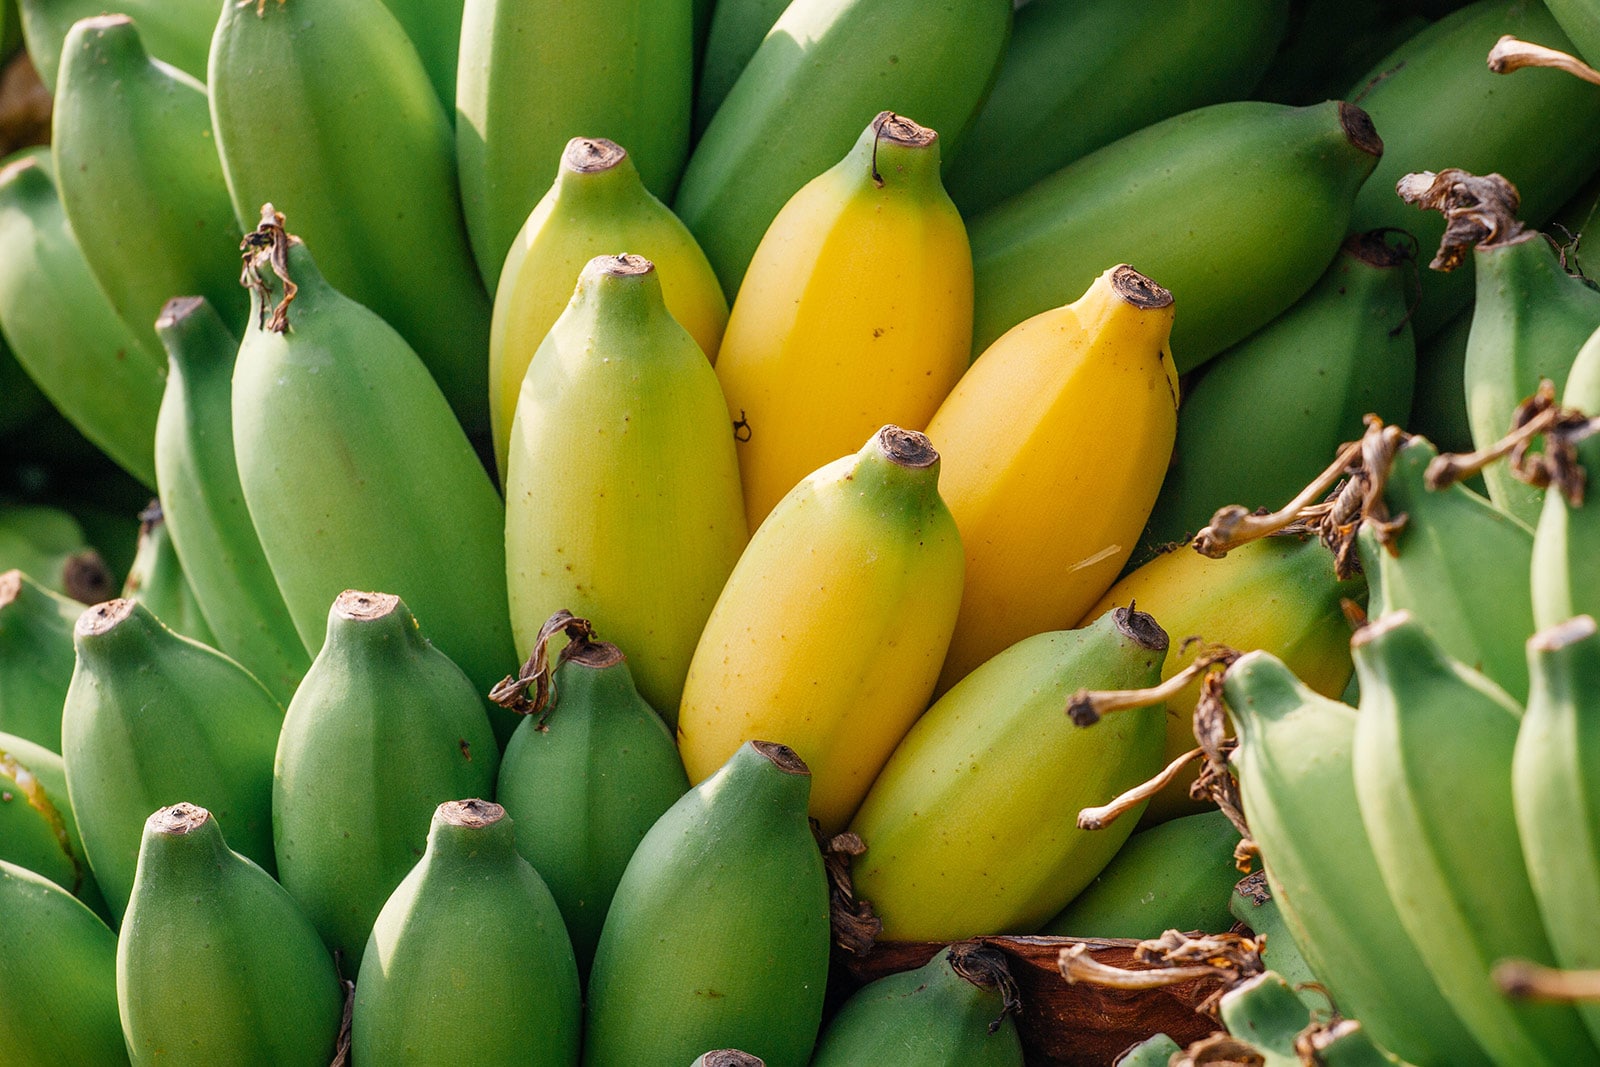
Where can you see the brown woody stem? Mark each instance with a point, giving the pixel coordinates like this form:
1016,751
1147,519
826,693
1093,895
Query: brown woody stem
537,673
1510,54
1233,526
1525,979
1089,706
1103,816
1078,966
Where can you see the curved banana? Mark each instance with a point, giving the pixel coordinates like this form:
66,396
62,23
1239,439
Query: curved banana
361,158
1433,773
383,730
1055,443
1580,20
36,658
995,755
473,909
139,178
215,963
820,74
736,30
726,894
622,488
1263,189
150,714
596,207
204,506
157,581
814,360
828,634
618,69
1049,105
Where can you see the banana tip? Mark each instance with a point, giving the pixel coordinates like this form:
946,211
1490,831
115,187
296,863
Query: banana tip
103,617
907,448
180,818
592,155
782,757
472,813
1359,130
1138,290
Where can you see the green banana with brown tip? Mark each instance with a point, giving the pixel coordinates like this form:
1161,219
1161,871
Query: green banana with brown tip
48,545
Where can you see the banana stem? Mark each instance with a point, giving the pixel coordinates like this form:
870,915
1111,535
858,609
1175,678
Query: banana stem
1538,415
1103,816
1087,706
1174,958
1510,54
537,673
854,924
268,244
1524,979
1077,965
1233,526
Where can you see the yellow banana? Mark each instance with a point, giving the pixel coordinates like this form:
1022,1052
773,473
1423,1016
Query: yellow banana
1278,594
828,636
597,206
1054,446
855,312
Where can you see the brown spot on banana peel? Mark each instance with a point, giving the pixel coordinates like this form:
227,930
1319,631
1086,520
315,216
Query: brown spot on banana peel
1478,210
33,792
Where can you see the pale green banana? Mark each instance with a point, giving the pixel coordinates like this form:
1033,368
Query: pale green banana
434,27
176,31
1566,542
1439,402
37,827
157,581
1155,1052
1280,946
1265,1012
36,658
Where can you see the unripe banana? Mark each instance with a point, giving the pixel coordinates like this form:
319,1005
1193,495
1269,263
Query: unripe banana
36,658
1580,20
1329,42
48,545
1263,188
175,31
829,632
728,1057
357,476
1155,1052
204,506
596,206
631,80
1050,508
140,180
950,1012
1437,104
474,910
1554,793
157,581
718,933
62,329
215,963
59,969
1433,769
998,753
1566,560
585,781
1176,876
1296,775
622,486
151,716
383,730
1439,402
814,360
737,29
434,27
1268,414
1050,103
361,159
37,827
1346,1044
1265,1012
818,77
1278,938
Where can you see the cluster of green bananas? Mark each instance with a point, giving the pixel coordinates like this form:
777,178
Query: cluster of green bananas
825,357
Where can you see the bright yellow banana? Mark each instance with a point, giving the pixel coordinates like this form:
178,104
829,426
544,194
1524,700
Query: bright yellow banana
829,634
1054,446
855,312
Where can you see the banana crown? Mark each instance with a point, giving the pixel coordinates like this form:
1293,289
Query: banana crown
621,293
1561,659
762,771
101,41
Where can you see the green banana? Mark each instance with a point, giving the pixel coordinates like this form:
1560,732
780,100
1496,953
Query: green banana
631,81
737,29
1296,775
821,74
1265,1012
1580,21
995,753
1269,413
10,28
157,581
622,488
40,832
1554,793
434,27
383,730
1236,208
176,31
1437,104
950,1012
471,908
355,473
1346,1044
1329,42
585,780
139,177
1279,939
1565,565
1175,876
361,159
596,206
718,934
59,968
62,329
206,516
1433,773
1154,1052
1050,103
1439,402
36,658
215,963
48,545
148,715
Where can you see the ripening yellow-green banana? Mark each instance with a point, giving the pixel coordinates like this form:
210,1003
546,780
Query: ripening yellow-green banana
855,312
597,206
622,489
1054,446
829,633
1278,594
972,826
